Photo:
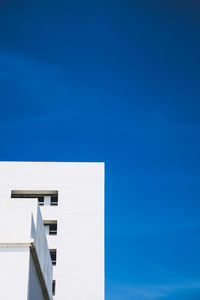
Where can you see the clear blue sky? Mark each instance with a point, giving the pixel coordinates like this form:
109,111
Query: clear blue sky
115,81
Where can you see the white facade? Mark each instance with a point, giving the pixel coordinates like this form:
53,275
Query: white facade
26,268
79,243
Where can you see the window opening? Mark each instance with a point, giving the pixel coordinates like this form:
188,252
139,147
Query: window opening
41,200
45,198
54,200
53,287
53,256
50,227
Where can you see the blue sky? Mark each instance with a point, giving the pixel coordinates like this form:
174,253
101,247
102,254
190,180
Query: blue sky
115,81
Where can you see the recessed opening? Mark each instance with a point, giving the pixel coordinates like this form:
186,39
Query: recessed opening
53,256
53,287
54,200
41,200
45,197
50,227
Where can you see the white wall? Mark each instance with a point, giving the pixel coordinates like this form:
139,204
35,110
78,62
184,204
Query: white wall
79,272
14,273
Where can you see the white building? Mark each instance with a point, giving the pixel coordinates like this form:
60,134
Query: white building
71,198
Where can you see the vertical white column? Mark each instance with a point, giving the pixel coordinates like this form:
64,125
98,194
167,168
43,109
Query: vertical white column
47,200
46,227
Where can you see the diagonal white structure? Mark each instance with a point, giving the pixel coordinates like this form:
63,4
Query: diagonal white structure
26,268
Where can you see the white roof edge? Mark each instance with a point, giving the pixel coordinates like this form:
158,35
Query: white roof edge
54,162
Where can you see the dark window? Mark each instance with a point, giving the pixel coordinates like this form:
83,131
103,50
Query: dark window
54,200
53,287
53,229
53,256
41,200
36,194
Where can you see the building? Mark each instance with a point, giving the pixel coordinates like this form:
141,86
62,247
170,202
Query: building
71,199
